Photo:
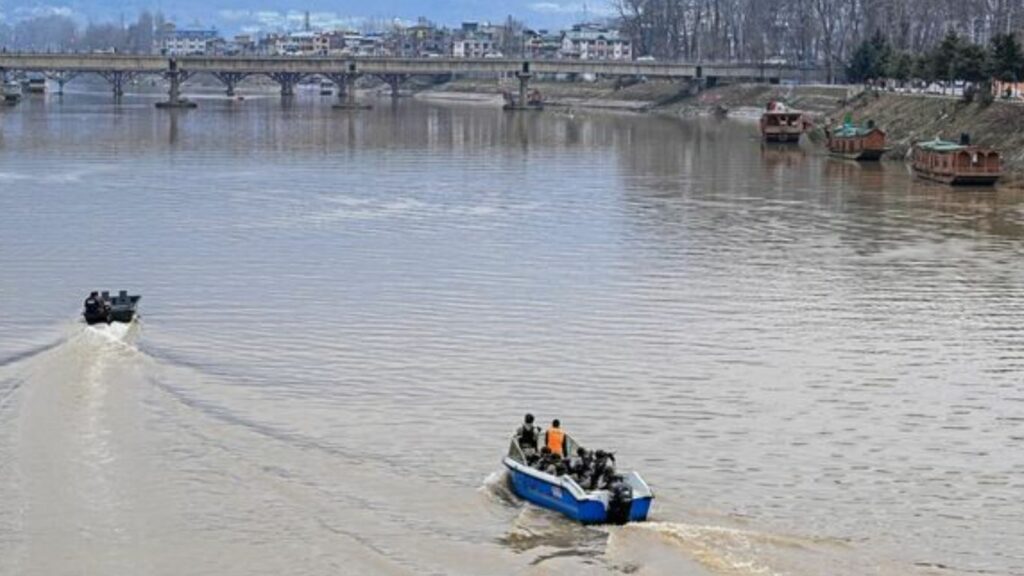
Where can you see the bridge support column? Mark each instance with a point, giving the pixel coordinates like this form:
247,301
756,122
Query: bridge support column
394,81
525,100
287,80
176,76
230,80
117,79
347,92
61,77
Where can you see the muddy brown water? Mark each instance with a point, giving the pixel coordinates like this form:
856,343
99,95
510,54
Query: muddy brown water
817,365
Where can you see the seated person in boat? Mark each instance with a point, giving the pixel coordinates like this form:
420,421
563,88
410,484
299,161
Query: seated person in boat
528,435
95,305
551,463
580,466
554,438
603,462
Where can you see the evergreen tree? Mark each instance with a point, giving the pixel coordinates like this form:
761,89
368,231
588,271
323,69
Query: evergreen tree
1006,62
870,60
900,67
883,54
969,63
861,64
943,58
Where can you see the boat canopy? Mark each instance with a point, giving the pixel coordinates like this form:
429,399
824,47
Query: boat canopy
852,131
941,146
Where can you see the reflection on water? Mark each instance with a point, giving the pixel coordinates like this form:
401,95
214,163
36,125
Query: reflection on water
814,362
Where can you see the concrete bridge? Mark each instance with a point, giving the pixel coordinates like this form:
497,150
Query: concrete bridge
288,71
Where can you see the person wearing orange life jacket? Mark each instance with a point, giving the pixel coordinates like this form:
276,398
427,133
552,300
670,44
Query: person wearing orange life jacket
555,439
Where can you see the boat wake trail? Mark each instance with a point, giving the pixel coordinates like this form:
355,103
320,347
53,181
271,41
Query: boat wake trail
729,551
496,488
26,354
68,414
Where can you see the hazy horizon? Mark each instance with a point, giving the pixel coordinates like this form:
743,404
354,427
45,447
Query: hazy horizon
232,16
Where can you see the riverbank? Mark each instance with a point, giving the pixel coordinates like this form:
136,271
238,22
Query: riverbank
910,117
602,94
906,117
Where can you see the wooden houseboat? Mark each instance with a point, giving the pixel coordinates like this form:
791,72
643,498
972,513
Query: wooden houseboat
957,163
780,124
863,143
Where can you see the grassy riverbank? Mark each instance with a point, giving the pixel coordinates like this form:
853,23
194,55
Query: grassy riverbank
603,94
918,117
906,117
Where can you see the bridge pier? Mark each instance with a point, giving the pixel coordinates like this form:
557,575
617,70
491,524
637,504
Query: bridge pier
524,100
287,80
61,77
230,80
117,79
347,91
176,77
394,81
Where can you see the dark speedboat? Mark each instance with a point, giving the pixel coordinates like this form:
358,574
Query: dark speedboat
120,308
627,499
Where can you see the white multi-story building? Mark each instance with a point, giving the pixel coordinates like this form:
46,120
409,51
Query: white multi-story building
305,43
473,48
593,42
174,42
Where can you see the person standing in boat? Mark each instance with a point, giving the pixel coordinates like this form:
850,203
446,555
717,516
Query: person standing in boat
528,435
554,438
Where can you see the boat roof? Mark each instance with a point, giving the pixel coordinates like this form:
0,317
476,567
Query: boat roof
938,145
849,130
941,146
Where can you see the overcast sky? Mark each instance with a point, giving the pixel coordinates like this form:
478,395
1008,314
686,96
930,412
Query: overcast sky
246,15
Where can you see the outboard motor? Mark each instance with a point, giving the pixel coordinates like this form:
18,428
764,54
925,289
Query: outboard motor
620,501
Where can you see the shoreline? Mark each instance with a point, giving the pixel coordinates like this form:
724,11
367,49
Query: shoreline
905,117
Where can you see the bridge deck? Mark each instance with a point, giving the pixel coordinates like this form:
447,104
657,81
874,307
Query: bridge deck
372,65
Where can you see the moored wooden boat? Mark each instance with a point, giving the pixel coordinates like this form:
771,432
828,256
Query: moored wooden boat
865,143
957,163
781,124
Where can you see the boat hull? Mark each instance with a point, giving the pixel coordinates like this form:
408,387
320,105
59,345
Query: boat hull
781,137
556,493
959,179
861,156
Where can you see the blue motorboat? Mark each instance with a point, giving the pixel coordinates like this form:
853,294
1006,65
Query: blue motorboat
627,499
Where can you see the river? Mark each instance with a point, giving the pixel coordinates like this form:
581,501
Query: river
816,365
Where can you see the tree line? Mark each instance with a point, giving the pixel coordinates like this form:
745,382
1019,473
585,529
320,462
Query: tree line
60,33
811,32
953,59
